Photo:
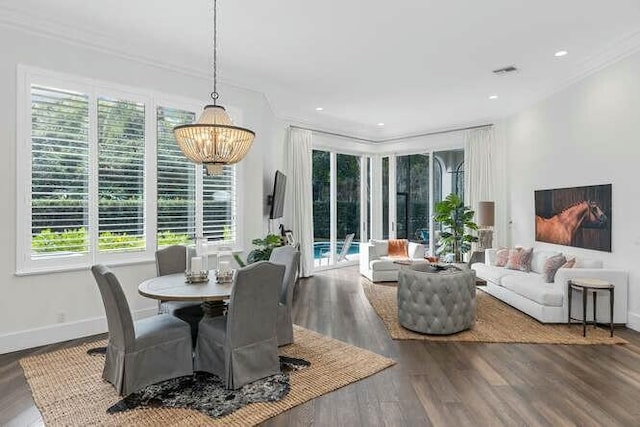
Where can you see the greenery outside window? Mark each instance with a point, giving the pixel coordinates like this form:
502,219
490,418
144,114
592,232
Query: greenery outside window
103,180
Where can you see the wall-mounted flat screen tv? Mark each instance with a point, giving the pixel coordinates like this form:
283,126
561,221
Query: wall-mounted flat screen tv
277,198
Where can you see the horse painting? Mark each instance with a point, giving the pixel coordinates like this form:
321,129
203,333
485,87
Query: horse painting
561,228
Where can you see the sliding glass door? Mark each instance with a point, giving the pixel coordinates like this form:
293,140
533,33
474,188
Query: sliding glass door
448,178
338,215
412,198
347,207
321,205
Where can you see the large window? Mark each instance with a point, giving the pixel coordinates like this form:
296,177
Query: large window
103,180
120,175
176,213
348,202
338,202
412,197
321,205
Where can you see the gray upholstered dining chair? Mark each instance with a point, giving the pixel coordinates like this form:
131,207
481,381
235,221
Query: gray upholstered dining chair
290,258
172,260
242,346
143,352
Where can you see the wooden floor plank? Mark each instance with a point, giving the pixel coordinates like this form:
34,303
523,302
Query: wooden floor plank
444,384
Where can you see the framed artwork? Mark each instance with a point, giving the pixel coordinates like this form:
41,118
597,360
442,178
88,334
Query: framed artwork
288,238
576,216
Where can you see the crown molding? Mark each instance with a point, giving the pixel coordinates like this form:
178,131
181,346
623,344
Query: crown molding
614,52
26,21
22,20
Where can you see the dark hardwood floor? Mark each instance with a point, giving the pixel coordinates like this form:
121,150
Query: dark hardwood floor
451,384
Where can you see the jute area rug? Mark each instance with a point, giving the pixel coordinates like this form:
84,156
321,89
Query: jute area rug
496,322
68,389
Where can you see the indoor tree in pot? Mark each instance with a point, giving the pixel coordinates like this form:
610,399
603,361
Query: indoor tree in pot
456,220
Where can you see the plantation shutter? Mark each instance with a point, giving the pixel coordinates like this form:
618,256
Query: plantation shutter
59,165
219,206
120,175
176,213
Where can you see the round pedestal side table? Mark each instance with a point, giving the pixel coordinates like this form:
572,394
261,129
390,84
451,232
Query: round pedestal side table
585,286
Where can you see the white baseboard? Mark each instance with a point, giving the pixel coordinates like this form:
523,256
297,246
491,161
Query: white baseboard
633,321
50,334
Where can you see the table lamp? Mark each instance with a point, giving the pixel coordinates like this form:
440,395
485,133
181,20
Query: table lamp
486,221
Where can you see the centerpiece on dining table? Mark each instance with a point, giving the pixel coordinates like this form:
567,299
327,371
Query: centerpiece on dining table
224,273
197,268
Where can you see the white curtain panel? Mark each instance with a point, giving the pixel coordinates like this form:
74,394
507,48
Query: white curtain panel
484,177
299,194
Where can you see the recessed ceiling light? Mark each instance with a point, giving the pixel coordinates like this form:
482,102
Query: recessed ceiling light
493,97
319,108
561,53
380,124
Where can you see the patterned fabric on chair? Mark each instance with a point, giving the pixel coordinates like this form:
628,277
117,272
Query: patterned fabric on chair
172,260
242,346
290,258
143,352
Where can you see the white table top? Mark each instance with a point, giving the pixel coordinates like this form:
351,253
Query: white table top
591,283
174,288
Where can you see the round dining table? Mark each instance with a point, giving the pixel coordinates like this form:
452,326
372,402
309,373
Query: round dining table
173,287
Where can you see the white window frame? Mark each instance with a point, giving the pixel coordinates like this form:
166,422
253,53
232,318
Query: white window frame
25,263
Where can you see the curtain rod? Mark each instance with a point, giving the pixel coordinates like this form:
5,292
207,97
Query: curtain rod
440,132
331,133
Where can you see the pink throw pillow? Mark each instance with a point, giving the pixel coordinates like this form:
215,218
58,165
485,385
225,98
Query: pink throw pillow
502,256
551,266
520,259
570,263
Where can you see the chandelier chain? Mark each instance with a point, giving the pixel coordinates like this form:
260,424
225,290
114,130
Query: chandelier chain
214,94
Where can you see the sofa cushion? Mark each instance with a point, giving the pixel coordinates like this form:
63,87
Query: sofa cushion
539,258
520,259
585,262
492,274
502,256
416,250
384,265
588,263
381,247
397,248
532,286
551,266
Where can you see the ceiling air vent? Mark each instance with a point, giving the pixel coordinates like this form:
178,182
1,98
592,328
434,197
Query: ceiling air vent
506,70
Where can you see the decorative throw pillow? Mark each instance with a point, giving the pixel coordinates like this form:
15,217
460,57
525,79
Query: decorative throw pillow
552,265
520,259
569,264
398,248
502,256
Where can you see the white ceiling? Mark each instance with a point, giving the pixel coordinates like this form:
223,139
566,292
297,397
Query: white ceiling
416,65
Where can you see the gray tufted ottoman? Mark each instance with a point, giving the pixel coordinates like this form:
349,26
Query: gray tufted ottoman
433,302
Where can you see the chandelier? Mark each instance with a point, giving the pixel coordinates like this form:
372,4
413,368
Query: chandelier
213,140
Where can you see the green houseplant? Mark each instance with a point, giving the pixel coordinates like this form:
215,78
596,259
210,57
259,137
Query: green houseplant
264,248
456,220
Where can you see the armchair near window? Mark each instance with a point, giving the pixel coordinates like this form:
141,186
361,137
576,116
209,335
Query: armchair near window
143,352
378,266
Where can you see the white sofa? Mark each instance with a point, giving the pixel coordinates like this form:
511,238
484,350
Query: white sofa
547,302
377,266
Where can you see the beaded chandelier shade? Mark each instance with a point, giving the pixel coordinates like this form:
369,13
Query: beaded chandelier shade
213,140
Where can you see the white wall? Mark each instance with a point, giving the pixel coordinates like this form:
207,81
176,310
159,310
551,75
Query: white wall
31,306
586,134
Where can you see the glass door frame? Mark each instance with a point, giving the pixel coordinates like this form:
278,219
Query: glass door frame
392,215
363,162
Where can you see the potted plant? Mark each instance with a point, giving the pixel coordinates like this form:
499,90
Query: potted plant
263,250
456,220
